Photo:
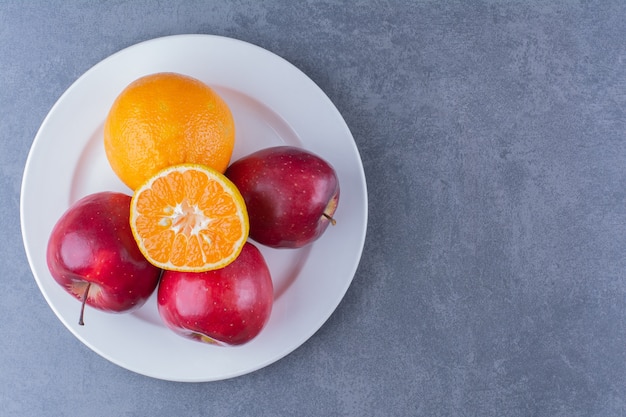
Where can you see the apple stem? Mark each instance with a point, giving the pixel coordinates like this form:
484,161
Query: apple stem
81,322
332,221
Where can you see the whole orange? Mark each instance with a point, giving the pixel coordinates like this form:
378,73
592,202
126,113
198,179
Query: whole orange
165,119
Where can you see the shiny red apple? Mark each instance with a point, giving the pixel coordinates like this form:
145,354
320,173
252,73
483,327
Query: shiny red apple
227,306
92,254
291,195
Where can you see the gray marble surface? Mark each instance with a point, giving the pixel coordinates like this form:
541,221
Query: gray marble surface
493,278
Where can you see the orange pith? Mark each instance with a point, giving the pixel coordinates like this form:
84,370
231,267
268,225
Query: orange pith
189,217
165,119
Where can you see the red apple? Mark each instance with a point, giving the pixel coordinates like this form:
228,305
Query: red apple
93,255
227,306
291,195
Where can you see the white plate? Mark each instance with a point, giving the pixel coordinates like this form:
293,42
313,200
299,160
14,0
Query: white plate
273,103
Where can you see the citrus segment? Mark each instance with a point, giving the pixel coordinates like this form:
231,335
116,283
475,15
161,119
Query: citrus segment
165,119
189,217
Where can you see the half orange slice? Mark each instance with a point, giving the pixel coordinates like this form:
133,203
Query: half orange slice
189,218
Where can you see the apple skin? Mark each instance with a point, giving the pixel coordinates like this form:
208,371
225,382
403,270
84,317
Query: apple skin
227,306
291,195
92,248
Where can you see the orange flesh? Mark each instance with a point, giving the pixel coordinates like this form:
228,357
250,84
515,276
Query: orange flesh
189,218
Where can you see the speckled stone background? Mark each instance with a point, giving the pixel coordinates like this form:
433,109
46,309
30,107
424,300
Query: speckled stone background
493,279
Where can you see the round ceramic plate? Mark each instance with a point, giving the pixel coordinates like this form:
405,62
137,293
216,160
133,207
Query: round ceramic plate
273,103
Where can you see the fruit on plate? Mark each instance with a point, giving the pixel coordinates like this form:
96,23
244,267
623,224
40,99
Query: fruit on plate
291,195
92,254
189,217
165,119
227,306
